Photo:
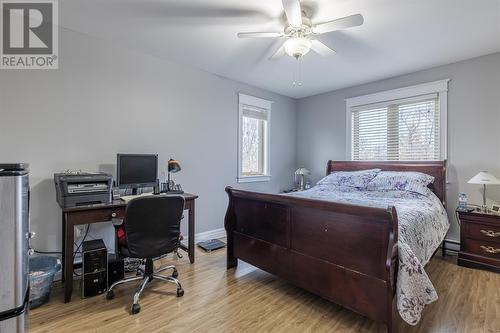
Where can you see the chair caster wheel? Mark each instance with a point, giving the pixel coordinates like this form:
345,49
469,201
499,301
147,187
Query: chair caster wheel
110,294
180,292
136,308
175,274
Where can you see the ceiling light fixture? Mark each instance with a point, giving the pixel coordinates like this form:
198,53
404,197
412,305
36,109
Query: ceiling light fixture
301,32
297,47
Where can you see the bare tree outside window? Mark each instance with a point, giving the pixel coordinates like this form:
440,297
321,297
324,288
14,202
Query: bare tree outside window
252,146
418,138
405,131
253,139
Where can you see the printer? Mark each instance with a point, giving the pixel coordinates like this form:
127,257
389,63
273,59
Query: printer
83,188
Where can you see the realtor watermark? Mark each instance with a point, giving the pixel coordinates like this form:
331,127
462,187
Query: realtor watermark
29,34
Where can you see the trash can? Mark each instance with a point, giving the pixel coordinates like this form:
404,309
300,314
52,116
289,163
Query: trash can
42,271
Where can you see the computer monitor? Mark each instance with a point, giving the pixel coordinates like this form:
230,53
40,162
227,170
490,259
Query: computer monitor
136,170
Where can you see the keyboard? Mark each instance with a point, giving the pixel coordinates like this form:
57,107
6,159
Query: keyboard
127,198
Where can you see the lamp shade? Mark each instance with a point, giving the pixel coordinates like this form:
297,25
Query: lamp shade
302,171
484,177
173,166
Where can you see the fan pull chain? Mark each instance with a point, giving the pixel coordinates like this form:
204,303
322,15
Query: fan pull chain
294,72
297,73
300,71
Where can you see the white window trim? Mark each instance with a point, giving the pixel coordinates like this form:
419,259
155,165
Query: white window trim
439,87
263,104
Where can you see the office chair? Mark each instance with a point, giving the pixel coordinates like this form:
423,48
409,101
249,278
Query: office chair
152,228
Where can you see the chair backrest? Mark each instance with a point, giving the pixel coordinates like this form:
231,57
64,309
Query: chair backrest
152,225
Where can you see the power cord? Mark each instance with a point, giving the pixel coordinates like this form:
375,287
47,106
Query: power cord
83,240
80,245
77,251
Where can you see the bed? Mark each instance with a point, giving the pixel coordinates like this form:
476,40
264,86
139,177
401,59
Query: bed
346,247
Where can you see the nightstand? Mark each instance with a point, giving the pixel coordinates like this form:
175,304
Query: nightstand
479,240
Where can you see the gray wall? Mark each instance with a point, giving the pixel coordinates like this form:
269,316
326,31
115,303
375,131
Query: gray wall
473,124
105,99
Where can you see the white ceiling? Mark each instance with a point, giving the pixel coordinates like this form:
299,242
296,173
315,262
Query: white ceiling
398,36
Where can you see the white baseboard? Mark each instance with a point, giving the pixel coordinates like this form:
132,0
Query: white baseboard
452,245
203,236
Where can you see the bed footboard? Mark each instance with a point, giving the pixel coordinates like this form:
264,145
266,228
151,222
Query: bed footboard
345,253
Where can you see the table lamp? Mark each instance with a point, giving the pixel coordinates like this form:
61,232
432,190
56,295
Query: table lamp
173,167
301,173
484,178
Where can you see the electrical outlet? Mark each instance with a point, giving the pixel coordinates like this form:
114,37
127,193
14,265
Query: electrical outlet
78,231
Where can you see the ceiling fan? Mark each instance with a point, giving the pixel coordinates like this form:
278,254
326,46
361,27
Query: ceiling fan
301,33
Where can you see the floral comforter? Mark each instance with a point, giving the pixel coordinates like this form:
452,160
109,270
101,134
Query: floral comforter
423,224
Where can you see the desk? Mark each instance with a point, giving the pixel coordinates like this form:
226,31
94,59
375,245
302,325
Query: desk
102,213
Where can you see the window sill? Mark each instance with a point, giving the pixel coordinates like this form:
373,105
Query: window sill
253,179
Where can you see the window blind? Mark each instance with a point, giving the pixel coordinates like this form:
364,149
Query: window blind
406,129
254,112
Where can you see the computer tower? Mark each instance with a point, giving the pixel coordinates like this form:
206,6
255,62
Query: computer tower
116,269
94,268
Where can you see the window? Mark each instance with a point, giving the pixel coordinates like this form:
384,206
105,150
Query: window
406,124
253,139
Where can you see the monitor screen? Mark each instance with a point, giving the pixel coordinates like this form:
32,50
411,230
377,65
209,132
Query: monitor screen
136,170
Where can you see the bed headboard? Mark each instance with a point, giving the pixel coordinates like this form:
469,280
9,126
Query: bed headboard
437,169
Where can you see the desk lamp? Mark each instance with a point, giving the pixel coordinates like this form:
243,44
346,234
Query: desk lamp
302,172
484,178
173,167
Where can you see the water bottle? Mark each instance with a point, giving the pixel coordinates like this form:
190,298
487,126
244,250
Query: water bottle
462,201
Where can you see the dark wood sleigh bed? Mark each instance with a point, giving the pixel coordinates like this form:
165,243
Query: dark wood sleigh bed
344,253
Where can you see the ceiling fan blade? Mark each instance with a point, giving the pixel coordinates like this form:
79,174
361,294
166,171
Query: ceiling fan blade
321,48
293,12
279,53
260,34
192,12
339,24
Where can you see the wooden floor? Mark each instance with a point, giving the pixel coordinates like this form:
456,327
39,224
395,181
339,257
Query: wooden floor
250,300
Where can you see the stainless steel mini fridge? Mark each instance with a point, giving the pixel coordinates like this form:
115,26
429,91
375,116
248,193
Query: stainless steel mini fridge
14,247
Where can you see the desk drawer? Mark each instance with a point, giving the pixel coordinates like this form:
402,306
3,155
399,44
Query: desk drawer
96,215
108,214
115,214
483,248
